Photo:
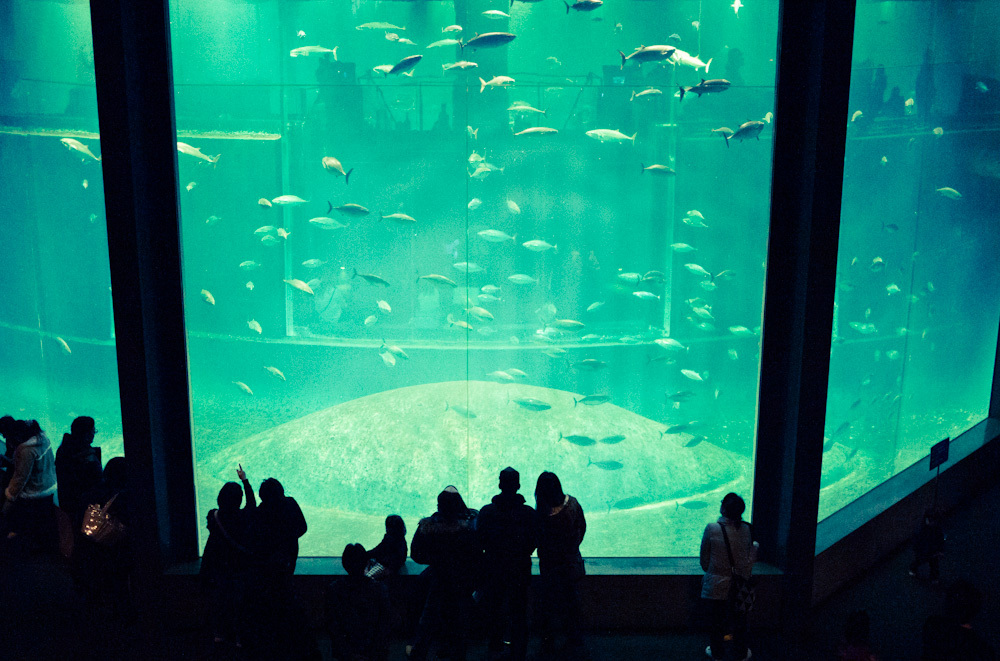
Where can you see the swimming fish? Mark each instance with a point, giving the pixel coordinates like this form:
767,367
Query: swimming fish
370,320
532,404
522,279
369,278
254,325
495,81
443,42
605,465
495,236
378,25
185,148
680,396
333,166
645,295
695,440
387,358
594,306
684,58
326,223
244,387
647,54
583,5
64,346
212,220
438,280
275,372
495,14
713,86
452,28
249,285
950,193
301,286
610,135
394,350
566,324
488,40
682,247
288,200
589,364
306,51
746,131
77,146
657,169
207,297
576,439
405,64
461,65
480,313
694,376
521,106
649,91
538,130
736,6
461,410
694,504
400,218
612,440
264,203
283,233
384,306
538,245
500,375
592,400
349,209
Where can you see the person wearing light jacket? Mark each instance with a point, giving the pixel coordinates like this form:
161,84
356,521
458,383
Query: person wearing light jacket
29,497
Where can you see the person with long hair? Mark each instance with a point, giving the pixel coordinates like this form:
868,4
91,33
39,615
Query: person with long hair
29,499
562,527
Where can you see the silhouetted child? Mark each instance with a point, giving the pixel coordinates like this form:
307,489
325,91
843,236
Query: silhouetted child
950,636
390,554
357,611
856,645
928,545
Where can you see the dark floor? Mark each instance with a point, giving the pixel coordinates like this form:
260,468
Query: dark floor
43,617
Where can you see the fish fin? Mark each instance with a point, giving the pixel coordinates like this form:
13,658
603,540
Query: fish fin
633,91
567,6
724,135
514,238
347,179
682,91
622,53
708,64
355,274
214,161
329,206
633,137
335,53
575,402
589,462
555,249
643,165
482,85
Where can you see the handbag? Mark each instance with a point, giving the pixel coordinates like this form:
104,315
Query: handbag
742,591
101,526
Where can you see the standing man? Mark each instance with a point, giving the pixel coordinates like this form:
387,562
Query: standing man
508,532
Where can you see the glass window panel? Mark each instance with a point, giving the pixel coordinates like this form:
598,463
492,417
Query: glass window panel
428,349
915,321
56,325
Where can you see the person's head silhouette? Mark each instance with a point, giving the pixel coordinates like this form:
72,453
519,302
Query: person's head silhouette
354,559
510,480
271,491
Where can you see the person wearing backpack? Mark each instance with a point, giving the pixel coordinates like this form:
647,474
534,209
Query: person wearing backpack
728,554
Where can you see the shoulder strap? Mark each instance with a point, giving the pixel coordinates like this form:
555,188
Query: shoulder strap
729,549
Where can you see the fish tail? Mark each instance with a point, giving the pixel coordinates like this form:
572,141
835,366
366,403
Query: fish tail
482,85
633,137
633,91
555,249
622,53
329,206
575,402
726,136
708,64
213,161
355,274
446,405
643,166
567,6
347,179
589,462
335,53
681,88
514,238
461,46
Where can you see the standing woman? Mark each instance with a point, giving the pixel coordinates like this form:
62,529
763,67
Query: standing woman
29,506
561,530
727,623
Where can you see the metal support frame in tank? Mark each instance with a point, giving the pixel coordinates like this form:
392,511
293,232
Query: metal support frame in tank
138,144
813,79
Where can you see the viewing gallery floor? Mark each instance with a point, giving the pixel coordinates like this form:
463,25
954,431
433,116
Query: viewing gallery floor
45,619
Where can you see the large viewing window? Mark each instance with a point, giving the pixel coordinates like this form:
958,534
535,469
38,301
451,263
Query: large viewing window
57,343
915,320
539,253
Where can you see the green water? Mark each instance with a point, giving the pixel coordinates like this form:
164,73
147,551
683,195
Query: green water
355,430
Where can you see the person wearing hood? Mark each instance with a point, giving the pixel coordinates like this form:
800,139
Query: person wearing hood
78,467
508,535
728,625
28,499
446,542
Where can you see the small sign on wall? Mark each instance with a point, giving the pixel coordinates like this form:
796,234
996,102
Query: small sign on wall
939,453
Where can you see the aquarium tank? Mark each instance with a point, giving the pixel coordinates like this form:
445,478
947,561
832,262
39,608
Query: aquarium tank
916,309
423,241
57,343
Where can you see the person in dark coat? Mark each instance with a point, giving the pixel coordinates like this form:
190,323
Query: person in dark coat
446,541
226,561
950,636
562,527
78,467
103,569
391,551
508,533
357,611
275,622
928,545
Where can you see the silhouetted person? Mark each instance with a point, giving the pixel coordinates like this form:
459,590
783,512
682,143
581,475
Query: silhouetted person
226,562
391,551
7,459
28,507
726,621
357,611
928,545
78,467
275,621
894,105
508,531
103,568
561,528
856,645
950,637
446,541
876,93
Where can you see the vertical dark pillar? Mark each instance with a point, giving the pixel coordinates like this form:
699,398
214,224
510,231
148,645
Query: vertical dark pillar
995,393
139,159
814,70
